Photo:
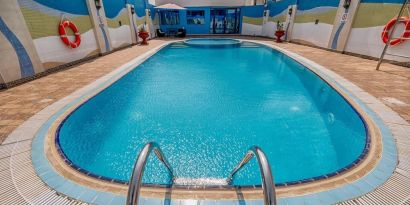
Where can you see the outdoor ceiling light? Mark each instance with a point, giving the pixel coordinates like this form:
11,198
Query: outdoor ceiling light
98,4
346,4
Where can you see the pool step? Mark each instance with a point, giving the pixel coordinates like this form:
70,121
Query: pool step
200,181
179,45
249,45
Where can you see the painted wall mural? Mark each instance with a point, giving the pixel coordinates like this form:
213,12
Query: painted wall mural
118,22
252,20
365,36
314,21
25,64
140,6
278,11
43,17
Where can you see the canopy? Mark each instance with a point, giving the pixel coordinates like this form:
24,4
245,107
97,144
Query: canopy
171,7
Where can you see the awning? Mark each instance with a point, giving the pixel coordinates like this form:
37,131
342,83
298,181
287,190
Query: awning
170,7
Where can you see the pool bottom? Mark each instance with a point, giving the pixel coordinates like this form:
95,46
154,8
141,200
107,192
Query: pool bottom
283,190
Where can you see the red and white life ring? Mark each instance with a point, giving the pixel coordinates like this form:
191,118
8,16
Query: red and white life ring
404,35
63,34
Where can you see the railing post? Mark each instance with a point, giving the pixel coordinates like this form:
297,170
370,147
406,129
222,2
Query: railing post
405,2
138,171
268,185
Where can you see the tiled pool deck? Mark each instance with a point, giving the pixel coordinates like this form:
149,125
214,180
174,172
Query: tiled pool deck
20,103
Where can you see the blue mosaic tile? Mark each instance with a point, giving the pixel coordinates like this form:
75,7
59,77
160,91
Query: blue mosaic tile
296,200
254,202
56,182
225,202
148,201
88,196
103,198
325,198
120,200
353,191
76,191
207,202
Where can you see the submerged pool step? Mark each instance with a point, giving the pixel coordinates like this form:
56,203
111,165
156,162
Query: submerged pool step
179,45
200,181
249,45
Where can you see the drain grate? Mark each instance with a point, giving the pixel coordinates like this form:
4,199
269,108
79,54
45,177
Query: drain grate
200,181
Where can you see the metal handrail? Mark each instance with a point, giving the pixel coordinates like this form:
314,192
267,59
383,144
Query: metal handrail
138,172
268,184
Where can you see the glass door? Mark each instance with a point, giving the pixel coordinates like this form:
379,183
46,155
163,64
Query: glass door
225,21
232,21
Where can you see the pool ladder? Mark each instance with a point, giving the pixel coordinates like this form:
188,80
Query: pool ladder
268,184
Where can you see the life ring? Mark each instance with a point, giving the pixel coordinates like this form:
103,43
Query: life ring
404,35
63,34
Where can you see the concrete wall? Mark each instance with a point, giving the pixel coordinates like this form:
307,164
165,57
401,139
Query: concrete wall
252,20
43,17
314,21
29,37
365,35
279,12
119,25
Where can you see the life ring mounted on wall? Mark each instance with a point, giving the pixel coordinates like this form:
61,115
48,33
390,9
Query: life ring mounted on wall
405,35
63,34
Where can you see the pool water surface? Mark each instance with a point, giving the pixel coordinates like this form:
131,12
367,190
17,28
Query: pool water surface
205,107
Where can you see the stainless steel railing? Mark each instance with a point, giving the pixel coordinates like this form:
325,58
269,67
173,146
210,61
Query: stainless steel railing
138,172
268,185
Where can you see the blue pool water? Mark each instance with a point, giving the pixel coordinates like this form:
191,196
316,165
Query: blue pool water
205,107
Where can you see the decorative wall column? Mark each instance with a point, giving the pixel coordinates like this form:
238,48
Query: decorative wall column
97,15
343,23
149,24
290,19
133,27
265,31
18,56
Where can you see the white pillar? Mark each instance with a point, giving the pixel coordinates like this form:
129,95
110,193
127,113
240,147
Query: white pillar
149,24
133,26
99,21
342,25
265,21
290,19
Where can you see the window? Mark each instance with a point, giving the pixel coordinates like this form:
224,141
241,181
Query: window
169,17
195,17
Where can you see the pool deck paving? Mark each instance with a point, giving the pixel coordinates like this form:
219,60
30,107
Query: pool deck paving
390,85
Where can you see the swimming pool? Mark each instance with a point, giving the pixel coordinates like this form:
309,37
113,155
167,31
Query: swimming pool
205,107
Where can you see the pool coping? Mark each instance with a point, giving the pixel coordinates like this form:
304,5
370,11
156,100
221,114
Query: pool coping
363,185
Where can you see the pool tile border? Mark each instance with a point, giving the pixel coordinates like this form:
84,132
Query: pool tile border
364,185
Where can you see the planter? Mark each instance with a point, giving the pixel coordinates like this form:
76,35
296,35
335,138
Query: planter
144,36
278,35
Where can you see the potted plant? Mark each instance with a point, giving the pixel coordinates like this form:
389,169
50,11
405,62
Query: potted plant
143,34
279,32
